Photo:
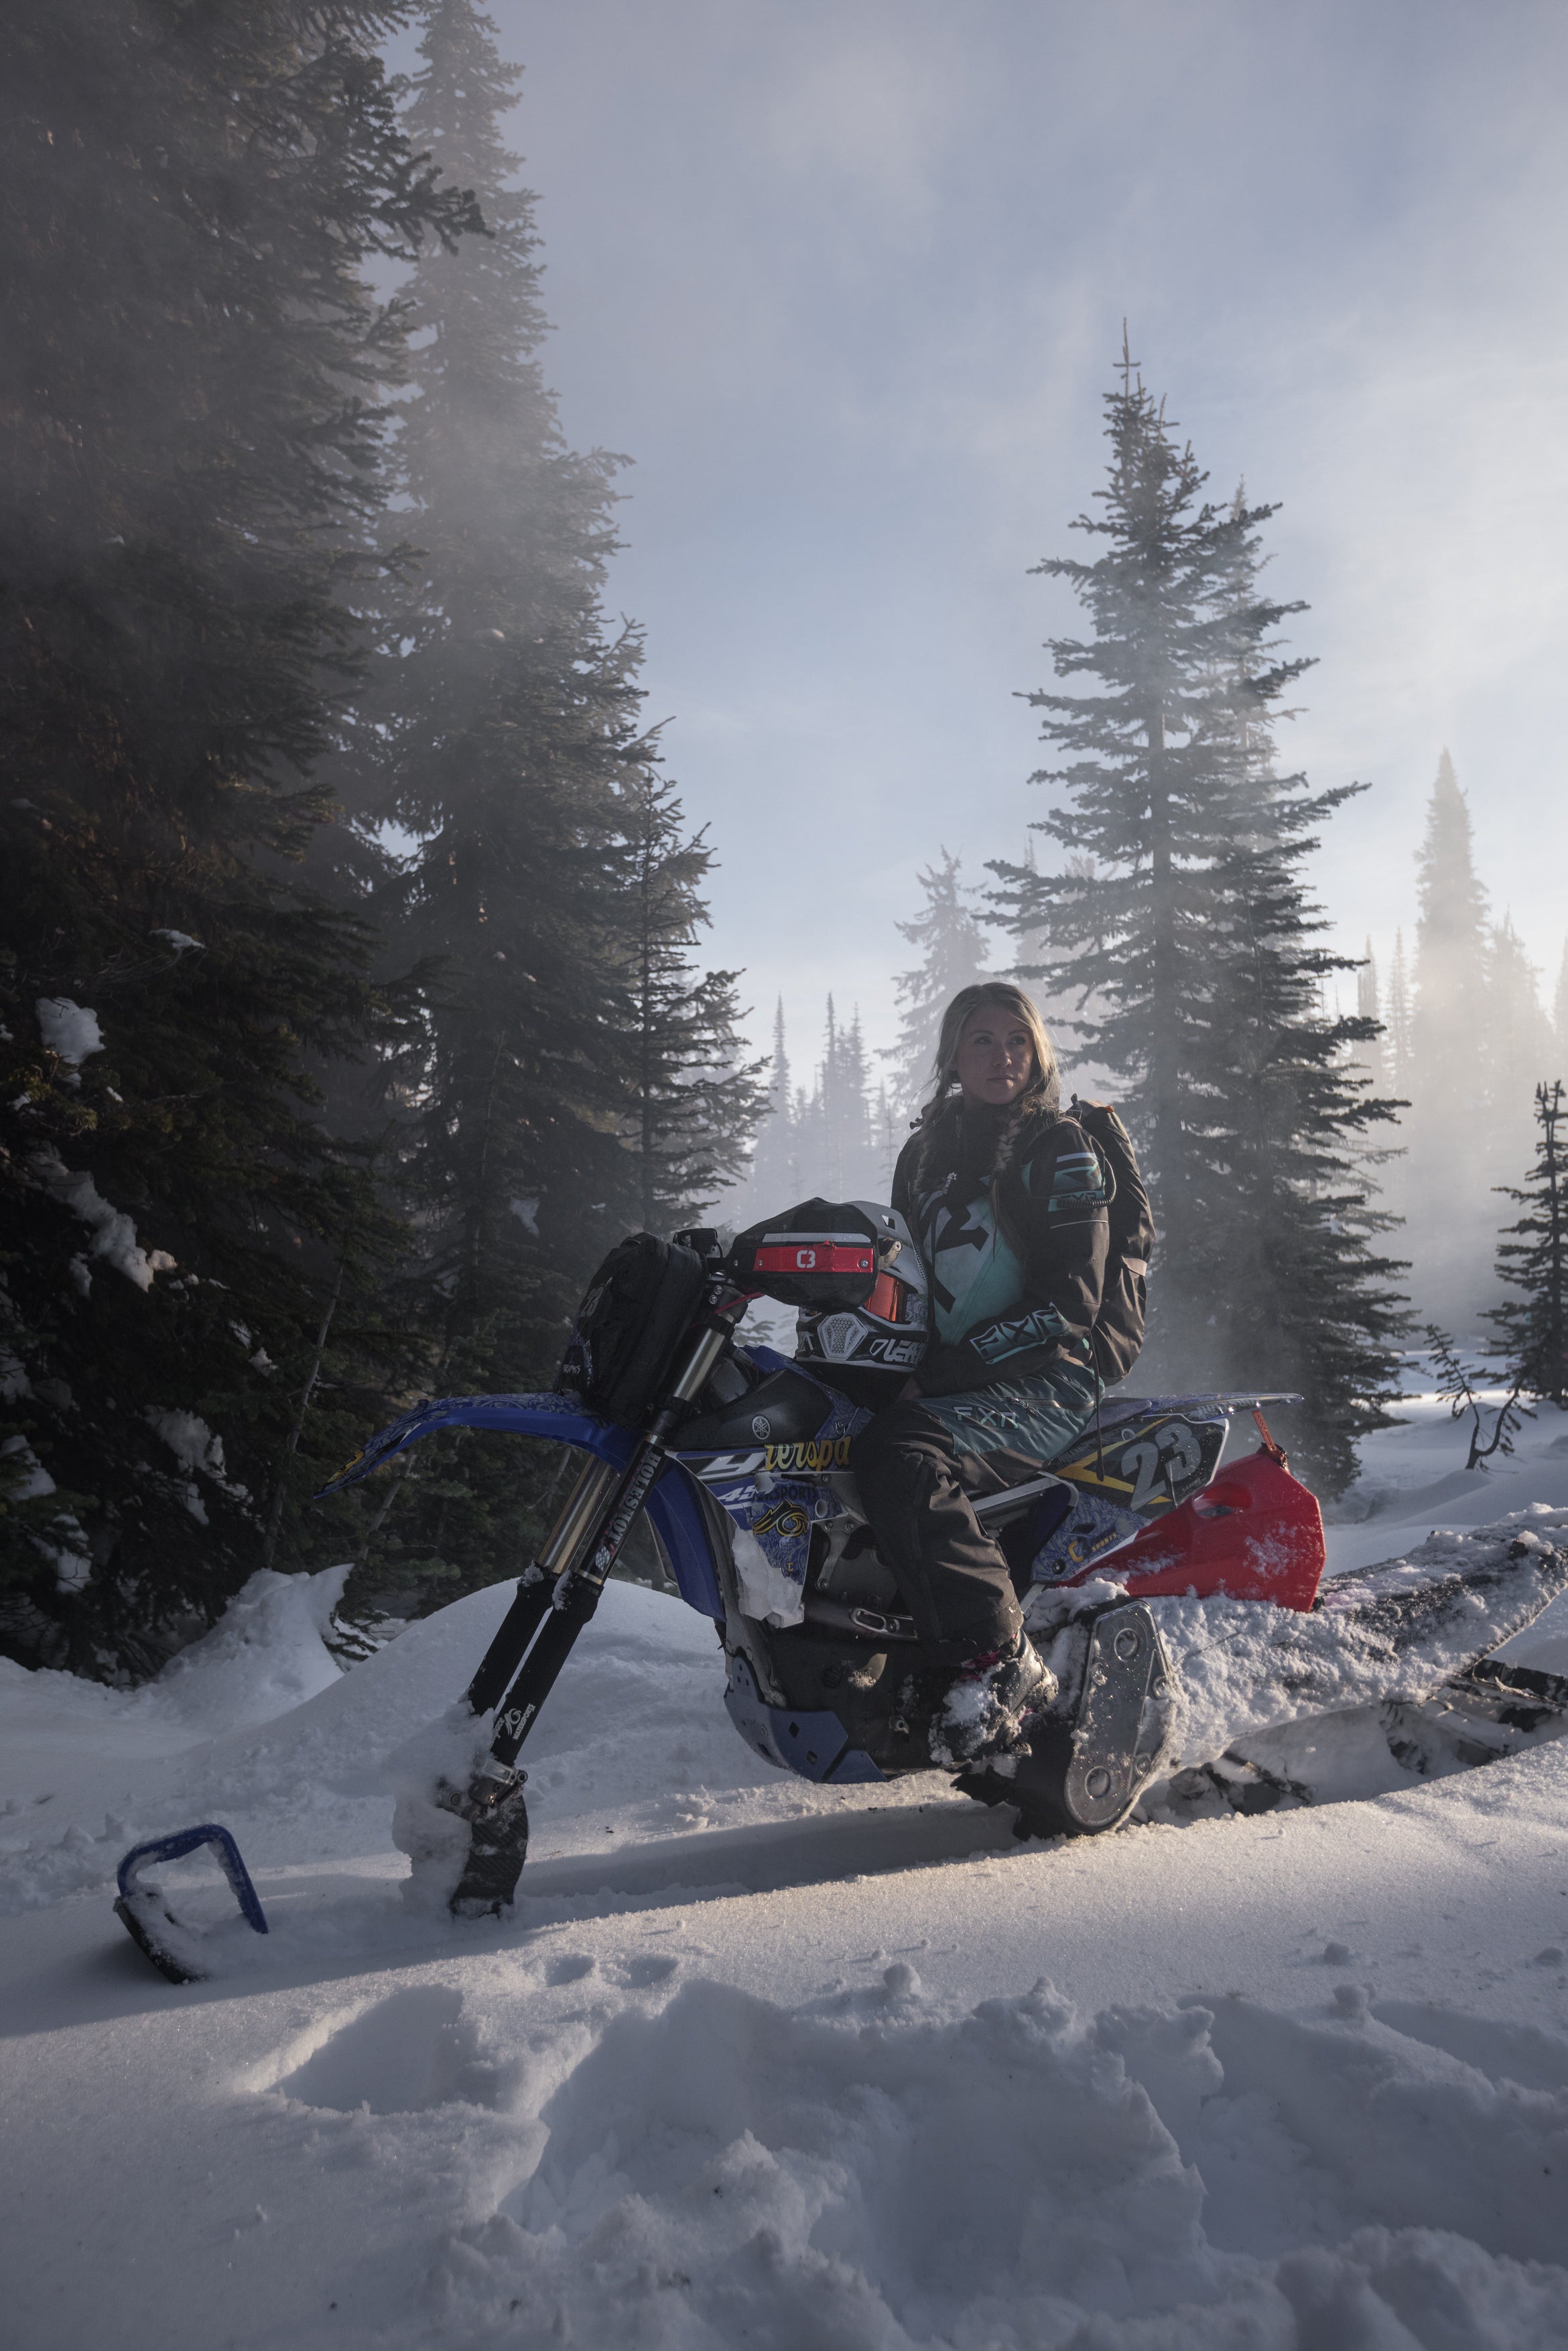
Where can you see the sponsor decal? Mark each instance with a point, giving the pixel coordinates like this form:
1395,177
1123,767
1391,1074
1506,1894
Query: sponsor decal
1147,1470
783,1522
717,1465
821,1253
780,1520
619,1527
814,1453
896,1351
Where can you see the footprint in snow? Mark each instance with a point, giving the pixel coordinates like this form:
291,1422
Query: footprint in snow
404,2054
570,1968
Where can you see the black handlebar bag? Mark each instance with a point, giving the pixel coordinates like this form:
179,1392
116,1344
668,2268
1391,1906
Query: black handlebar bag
634,1313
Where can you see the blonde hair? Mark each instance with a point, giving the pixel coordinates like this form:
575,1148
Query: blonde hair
1038,1095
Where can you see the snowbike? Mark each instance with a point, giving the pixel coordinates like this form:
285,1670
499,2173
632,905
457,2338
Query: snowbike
1178,1602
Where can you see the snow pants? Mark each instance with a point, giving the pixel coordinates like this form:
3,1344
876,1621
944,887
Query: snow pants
918,1463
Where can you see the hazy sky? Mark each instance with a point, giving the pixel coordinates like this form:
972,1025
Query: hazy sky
847,281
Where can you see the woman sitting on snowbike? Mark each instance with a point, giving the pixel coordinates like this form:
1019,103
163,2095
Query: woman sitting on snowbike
1007,1202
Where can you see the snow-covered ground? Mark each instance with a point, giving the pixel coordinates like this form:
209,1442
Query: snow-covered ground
758,2064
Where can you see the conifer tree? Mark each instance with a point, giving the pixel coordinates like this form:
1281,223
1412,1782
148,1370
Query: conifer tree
1399,1060
512,735
952,950
772,1178
849,1138
1372,1054
1142,808
1520,1045
1185,936
1536,1324
1448,1018
189,400
696,1102
504,735
1450,1164
836,1137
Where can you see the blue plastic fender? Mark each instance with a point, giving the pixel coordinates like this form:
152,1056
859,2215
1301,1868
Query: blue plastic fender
672,1505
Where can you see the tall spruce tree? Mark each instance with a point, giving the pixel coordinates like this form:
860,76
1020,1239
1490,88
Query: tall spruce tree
774,1172
953,949
189,400
1372,1054
1184,933
851,1146
696,1101
1398,1024
836,1135
1535,1325
1520,1045
1450,1164
503,732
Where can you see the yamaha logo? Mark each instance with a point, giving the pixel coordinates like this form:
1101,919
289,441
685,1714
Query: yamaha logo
761,1426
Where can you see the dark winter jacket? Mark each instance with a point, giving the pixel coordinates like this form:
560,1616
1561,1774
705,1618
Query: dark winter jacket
1013,1229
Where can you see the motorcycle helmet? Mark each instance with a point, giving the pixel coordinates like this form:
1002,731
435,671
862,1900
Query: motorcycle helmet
852,1270
889,1329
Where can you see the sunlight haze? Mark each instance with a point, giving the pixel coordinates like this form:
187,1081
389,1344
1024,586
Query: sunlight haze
847,283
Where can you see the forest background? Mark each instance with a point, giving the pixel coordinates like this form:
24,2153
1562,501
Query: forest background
354,996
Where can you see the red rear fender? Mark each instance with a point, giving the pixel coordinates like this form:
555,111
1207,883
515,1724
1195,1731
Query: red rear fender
1255,1534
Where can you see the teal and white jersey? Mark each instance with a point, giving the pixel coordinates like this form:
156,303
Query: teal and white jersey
975,1274
1006,1302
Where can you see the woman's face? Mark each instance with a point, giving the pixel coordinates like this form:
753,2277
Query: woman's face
995,1055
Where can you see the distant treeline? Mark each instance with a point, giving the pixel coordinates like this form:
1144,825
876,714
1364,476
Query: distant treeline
1467,1041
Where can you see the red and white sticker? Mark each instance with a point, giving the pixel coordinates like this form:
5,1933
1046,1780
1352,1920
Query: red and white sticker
813,1253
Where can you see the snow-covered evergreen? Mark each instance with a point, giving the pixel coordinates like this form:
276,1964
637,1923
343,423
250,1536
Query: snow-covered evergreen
1532,1258
1179,938
695,1097
192,433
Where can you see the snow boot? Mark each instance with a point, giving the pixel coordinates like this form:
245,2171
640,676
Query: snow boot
987,1706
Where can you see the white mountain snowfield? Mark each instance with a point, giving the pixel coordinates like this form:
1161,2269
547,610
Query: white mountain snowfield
759,2063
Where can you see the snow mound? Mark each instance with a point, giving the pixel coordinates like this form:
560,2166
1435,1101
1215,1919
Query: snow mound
256,1726
267,1654
872,2171
1242,1668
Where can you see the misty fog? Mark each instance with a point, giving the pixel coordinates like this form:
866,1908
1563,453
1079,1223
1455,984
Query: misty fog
864,399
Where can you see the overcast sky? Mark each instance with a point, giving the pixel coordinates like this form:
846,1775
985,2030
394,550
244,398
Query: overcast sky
847,282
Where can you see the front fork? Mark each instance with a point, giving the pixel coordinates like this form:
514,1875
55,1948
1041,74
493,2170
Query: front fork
554,1600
